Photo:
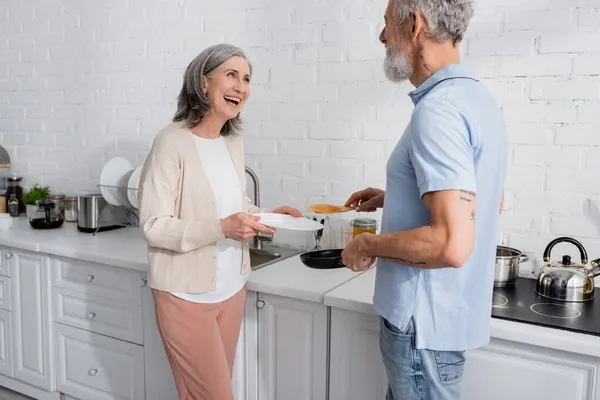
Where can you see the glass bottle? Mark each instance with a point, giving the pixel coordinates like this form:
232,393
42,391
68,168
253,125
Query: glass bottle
14,187
13,205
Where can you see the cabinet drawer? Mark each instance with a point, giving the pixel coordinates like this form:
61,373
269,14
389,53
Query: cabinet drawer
5,297
5,257
95,367
112,283
99,315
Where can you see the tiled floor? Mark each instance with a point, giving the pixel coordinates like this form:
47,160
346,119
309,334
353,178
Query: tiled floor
6,394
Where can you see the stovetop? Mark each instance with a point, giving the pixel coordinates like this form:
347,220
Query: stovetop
521,303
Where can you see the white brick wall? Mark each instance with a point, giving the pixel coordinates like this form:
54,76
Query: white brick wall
81,82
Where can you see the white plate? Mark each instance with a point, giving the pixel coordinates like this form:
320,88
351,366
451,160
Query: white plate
288,222
132,187
113,181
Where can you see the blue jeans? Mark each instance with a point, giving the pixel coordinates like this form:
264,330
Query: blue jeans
418,374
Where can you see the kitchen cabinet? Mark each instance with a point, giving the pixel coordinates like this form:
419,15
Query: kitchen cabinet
245,369
292,349
499,371
356,369
504,370
33,353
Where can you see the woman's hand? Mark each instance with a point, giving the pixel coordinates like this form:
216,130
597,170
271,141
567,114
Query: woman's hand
242,226
288,211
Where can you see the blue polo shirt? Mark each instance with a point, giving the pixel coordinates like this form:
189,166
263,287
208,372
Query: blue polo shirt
456,139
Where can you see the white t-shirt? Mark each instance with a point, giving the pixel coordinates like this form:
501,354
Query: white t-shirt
221,174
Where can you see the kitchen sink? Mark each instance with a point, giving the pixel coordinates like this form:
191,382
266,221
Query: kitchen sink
270,254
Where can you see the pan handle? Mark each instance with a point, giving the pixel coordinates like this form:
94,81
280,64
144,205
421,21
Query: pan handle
340,263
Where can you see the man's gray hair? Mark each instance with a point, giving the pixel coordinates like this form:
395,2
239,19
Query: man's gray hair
447,20
193,103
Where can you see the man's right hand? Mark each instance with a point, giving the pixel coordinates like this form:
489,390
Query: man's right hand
242,226
368,200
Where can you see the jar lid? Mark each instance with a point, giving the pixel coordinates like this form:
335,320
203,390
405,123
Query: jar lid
45,204
70,198
56,197
364,222
14,178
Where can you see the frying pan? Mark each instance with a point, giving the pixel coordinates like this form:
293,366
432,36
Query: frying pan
323,259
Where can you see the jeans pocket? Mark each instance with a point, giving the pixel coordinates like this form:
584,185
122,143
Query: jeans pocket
450,365
392,330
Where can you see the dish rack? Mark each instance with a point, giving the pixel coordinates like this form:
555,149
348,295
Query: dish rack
113,216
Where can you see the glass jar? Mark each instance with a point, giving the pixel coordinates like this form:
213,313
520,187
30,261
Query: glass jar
364,225
13,186
3,201
59,202
46,216
13,205
71,211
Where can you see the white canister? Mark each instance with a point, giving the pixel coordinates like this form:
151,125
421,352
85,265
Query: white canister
6,221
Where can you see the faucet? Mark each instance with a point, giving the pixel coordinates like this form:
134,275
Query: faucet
258,239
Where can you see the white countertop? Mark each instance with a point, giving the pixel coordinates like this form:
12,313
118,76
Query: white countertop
126,248
291,278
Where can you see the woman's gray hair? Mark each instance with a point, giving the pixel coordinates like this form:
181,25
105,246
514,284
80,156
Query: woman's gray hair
192,103
447,20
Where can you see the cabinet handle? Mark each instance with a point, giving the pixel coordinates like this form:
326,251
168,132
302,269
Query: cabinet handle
93,372
92,315
8,255
91,278
260,304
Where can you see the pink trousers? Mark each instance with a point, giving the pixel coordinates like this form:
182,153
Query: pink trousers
200,341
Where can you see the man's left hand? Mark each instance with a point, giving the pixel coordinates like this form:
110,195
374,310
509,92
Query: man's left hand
288,211
354,256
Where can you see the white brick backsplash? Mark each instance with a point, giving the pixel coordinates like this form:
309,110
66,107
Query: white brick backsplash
589,16
81,83
357,149
334,172
539,20
583,88
525,178
335,130
547,156
283,130
583,40
589,112
529,133
303,148
562,180
514,43
546,65
578,135
587,65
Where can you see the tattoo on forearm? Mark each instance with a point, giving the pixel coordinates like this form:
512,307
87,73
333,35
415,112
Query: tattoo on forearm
464,198
473,216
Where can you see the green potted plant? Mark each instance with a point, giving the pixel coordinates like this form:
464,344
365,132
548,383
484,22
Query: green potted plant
35,194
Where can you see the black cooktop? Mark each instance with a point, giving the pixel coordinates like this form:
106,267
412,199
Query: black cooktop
521,303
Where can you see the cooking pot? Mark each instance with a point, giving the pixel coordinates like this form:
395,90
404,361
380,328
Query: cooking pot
565,280
507,265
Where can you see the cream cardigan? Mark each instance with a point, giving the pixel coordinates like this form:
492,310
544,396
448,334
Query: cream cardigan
178,213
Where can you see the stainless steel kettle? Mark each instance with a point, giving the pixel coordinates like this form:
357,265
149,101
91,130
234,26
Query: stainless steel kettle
565,280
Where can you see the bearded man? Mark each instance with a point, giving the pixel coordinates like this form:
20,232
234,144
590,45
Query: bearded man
444,188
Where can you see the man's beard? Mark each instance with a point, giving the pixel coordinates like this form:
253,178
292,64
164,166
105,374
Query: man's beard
396,66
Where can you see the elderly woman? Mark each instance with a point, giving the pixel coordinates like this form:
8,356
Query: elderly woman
197,221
